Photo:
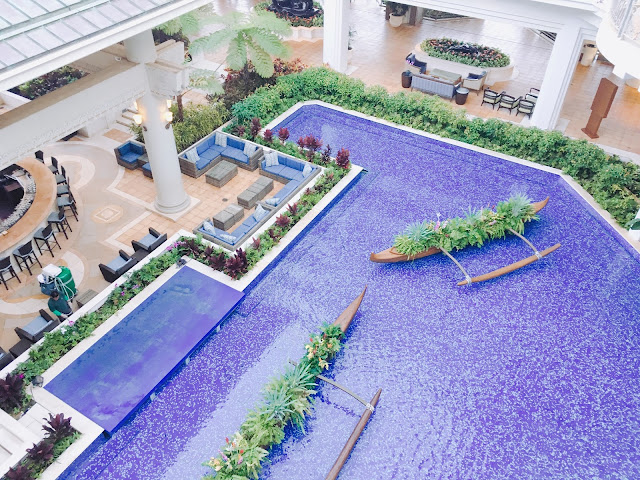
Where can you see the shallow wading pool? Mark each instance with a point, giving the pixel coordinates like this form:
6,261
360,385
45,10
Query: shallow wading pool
532,375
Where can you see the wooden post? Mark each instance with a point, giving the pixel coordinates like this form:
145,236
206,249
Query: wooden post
600,107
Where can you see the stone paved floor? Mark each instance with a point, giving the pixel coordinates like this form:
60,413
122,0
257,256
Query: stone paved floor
108,220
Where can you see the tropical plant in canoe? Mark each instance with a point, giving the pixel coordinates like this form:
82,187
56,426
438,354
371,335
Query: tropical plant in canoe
474,228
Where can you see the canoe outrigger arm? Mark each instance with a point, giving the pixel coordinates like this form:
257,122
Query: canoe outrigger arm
343,388
521,237
467,277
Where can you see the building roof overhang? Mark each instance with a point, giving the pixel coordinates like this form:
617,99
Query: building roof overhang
37,36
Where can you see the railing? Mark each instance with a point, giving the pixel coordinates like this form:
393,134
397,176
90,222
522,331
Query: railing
625,17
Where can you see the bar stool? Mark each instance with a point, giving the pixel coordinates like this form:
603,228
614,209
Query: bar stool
5,266
61,178
44,235
60,221
64,188
68,202
24,254
40,156
54,165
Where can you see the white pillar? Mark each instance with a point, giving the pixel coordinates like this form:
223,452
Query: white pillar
336,34
159,141
557,77
162,153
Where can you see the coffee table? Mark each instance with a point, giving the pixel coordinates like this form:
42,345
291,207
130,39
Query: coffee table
219,175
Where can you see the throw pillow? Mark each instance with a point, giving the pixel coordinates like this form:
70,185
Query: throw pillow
225,237
192,155
307,170
272,159
221,139
474,76
249,149
208,227
272,201
260,213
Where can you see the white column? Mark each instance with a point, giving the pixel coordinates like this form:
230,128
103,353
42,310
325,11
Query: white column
163,156
159,141
557,77
336,34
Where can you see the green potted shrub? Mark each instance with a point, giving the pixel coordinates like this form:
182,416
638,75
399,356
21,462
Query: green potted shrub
397,12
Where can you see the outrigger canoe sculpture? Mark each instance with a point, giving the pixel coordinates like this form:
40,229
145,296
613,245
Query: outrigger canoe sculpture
428,238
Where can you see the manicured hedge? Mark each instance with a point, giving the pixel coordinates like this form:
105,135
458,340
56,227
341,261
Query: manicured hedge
614,184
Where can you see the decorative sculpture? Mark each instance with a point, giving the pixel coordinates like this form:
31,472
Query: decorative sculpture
301,8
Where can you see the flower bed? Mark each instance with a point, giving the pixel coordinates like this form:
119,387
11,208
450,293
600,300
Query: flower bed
48,82
315,21
483,57
286,401
59,436
614,184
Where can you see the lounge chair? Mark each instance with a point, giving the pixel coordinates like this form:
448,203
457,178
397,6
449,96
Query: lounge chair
117,267
37,327
150,241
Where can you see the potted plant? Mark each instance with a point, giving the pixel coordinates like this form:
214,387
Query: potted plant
397,12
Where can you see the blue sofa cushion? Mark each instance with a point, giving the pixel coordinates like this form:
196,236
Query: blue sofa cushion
212,152
233,143
130,157
275,170
147,240
203,162
202,147
290,173
288,188
136,148
36,326
235,154
147,167
117,263
124,149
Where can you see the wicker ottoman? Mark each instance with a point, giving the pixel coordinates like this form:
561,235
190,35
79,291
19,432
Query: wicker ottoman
223,220
219,175
236,210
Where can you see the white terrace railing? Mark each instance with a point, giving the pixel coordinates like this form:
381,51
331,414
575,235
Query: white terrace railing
625,17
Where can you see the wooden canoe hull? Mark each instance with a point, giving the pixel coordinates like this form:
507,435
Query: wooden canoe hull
345,318
351,442
391,255
510,268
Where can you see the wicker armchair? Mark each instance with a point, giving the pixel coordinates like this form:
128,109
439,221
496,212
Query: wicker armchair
475,82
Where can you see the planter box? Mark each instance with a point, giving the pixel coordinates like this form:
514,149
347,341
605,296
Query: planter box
305,34
494,74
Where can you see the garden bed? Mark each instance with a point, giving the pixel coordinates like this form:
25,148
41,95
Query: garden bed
482,56
315,21
48,82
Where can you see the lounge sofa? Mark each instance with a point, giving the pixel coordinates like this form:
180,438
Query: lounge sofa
213,148
117,267
288,170
37,327
128,154
230,240
433,85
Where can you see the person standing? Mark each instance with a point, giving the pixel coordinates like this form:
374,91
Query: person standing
59,306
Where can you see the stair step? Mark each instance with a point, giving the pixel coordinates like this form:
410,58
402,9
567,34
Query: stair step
121,122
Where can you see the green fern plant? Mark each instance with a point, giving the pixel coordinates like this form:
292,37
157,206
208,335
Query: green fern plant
256,37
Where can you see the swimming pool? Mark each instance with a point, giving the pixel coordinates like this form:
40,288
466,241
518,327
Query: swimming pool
532,375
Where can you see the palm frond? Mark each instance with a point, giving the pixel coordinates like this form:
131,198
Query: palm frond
267,21
213,41
261,60
190,23
205,80
270,43
171,27
237,52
